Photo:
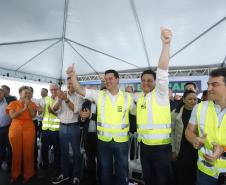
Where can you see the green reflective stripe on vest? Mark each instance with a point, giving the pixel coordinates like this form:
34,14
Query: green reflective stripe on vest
50,121
117,126
207,167
153,121
208,124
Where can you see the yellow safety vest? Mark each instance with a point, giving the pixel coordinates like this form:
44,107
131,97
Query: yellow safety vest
208,123
153,120
113,120
50,121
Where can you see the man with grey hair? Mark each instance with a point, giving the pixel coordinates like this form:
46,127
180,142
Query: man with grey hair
67,106
50,132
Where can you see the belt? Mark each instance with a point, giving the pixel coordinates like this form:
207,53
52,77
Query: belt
70,124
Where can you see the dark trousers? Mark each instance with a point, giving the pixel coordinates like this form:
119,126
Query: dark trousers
204,179
90,139
5,147
185,170
70,135
118,151
48,139
156,164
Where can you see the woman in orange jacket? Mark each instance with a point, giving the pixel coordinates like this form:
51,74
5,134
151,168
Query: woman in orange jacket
22,134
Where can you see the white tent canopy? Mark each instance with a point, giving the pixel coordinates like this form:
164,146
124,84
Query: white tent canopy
39,39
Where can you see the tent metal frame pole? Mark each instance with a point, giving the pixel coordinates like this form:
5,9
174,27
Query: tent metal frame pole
134,10
29,76
222,64
37,55
198,37
97,51
86,61
28,41
136,74
63,36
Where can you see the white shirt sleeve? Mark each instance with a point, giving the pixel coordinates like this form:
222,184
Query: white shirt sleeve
193,118
133,108
77,101
92,95
161,88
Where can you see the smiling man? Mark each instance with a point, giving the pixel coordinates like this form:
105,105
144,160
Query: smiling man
206,130
154,121
113,106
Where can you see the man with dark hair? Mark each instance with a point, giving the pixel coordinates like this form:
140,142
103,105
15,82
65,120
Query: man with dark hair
190,86
204,95
154,121
115,73
206,130
8,98
44,92
7,95
5,149
113,106
150,72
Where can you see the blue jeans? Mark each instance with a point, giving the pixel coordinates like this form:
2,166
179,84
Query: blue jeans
118,151
204,179
70,134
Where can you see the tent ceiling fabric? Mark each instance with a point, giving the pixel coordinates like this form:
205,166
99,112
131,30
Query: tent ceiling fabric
44,37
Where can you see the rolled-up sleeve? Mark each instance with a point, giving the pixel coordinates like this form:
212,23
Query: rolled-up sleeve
92,95
161,88
193,118
78,101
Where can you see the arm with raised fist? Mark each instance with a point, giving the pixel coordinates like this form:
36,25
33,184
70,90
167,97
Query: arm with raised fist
166,36
72,74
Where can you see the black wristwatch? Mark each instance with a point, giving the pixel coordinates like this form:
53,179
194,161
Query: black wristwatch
67,101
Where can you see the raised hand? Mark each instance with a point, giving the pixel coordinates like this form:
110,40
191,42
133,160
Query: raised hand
71,69
40,109
26,102
199,141
61,95
166,35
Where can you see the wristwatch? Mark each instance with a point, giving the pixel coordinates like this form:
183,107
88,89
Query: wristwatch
67,101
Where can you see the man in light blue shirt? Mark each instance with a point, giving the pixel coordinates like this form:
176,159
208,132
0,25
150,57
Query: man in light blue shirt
4,130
